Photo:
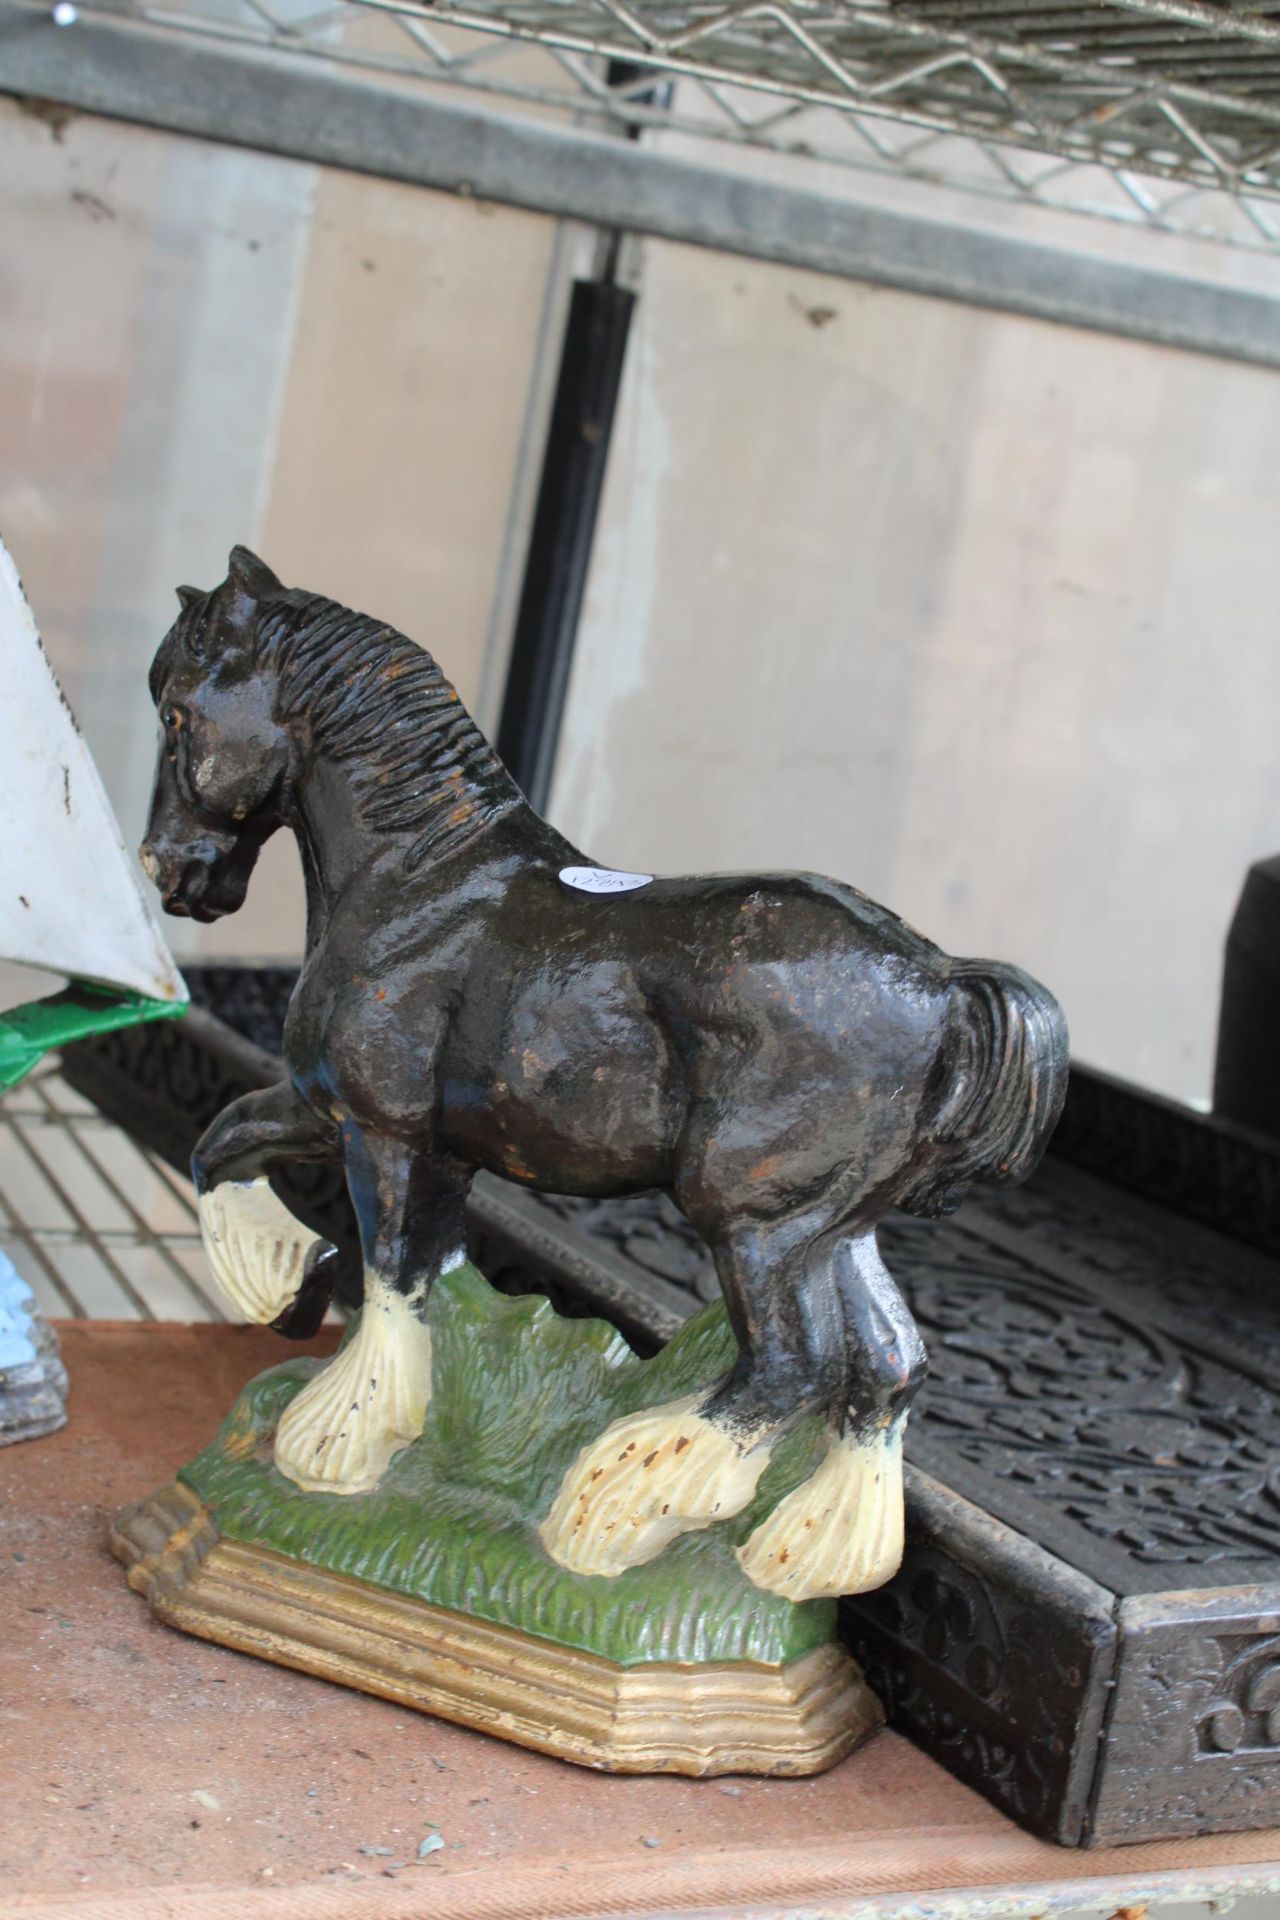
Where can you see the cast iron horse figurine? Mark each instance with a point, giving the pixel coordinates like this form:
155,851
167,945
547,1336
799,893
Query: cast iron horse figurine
784,1057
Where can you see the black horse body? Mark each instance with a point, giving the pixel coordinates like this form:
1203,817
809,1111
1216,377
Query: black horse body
786,1058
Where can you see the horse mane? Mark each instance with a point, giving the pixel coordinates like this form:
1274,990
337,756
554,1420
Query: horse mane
373,698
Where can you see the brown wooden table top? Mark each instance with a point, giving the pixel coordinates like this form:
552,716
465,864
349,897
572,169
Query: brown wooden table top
147,1773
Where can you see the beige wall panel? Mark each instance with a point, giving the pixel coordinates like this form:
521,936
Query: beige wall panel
978,613
145,320
412,360
199,346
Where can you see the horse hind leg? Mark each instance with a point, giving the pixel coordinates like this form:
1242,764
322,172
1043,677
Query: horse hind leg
646,1480
841,1531
340,1434
690,1463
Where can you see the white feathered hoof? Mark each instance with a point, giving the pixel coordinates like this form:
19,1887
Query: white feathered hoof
343,1430
645,1481
256,1249
841,1531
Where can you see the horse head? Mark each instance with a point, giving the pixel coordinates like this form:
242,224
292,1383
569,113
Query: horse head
224,771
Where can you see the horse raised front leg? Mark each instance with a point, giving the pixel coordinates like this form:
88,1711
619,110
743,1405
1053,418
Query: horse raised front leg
841,1531
271,1268
690,1463
342,1431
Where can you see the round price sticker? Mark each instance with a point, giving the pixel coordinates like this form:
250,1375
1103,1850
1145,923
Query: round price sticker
602,880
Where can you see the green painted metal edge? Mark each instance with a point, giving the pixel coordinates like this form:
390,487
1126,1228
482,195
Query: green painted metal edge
28,1032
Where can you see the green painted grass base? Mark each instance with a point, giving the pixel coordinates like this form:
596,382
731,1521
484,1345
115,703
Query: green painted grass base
518,1392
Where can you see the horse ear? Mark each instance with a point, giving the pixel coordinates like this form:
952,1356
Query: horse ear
251,576
187,596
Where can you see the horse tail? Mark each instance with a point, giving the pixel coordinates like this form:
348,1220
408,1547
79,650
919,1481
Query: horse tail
1007,1040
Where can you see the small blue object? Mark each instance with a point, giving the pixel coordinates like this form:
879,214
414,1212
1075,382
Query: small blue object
17,1310
33,1380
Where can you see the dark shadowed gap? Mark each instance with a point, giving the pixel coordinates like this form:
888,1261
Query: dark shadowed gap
563,530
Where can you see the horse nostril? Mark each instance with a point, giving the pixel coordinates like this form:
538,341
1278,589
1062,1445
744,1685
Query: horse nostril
150,865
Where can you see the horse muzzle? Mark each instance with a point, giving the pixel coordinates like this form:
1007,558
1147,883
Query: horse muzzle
201,883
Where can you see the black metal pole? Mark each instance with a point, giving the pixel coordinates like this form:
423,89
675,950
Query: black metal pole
563,529
1246,1081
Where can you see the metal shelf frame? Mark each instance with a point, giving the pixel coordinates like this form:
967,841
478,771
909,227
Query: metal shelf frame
1118,83
1160,113
98,1227
327,112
